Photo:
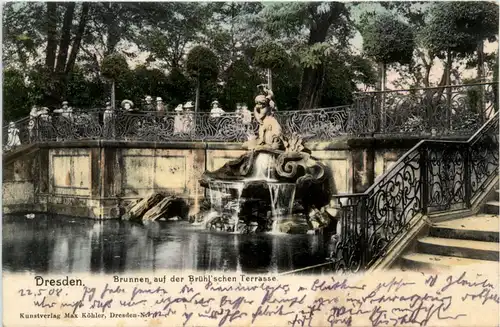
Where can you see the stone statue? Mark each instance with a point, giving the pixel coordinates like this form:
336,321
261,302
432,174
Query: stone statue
269,129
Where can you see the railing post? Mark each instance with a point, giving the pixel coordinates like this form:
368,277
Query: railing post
424,185
364,231
448,107
467,176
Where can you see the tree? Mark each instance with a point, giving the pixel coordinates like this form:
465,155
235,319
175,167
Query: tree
455,30
59,67
309,25
167,39
178,87
83,91
115,68
227,30
240,81
387,40
16,102
19,43
270,56
417,73
143,81
202,66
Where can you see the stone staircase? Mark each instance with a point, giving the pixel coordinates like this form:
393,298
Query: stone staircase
462,241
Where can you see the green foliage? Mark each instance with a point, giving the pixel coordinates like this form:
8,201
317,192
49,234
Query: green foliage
387,39
305,44
114,67
270,55
202,63
240,82
459,26
16,102
178,87
286,87
20,43
315,55
82,92
342,77
144,81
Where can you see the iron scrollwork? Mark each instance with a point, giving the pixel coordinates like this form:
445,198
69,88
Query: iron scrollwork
446,169
434,176
391,203
348,243
484,157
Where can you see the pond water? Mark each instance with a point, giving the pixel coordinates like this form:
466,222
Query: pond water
57,244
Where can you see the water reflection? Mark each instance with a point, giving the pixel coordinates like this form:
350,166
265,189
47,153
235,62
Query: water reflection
55,244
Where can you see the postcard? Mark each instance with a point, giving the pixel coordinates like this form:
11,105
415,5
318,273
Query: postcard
288,164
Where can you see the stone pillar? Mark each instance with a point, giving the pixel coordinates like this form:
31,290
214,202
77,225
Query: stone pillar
106,182
363,168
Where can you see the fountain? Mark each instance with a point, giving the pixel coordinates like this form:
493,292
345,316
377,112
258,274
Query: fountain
277,179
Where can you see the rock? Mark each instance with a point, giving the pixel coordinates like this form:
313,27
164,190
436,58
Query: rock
140,208
168,207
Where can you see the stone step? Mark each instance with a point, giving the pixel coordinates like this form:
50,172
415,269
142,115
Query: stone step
492,207
459,248
482,227
423,261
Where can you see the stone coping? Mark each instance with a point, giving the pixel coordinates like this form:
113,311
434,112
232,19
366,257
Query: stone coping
338,143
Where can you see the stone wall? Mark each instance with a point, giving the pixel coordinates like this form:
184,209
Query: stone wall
18,189
95,179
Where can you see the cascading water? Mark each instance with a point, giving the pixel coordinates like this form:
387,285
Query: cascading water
222,201
234,206
282,197
264,162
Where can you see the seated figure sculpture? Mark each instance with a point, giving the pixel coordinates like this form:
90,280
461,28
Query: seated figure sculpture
269,128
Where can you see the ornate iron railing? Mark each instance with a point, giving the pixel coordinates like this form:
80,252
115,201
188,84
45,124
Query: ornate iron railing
452,110
318,124
433,176
442,110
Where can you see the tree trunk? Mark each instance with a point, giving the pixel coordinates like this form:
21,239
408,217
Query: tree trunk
480,61
382,84
51,35
270,78
65,37
197,100
480,75
113,32
78,37
449,61
113,95
312,78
